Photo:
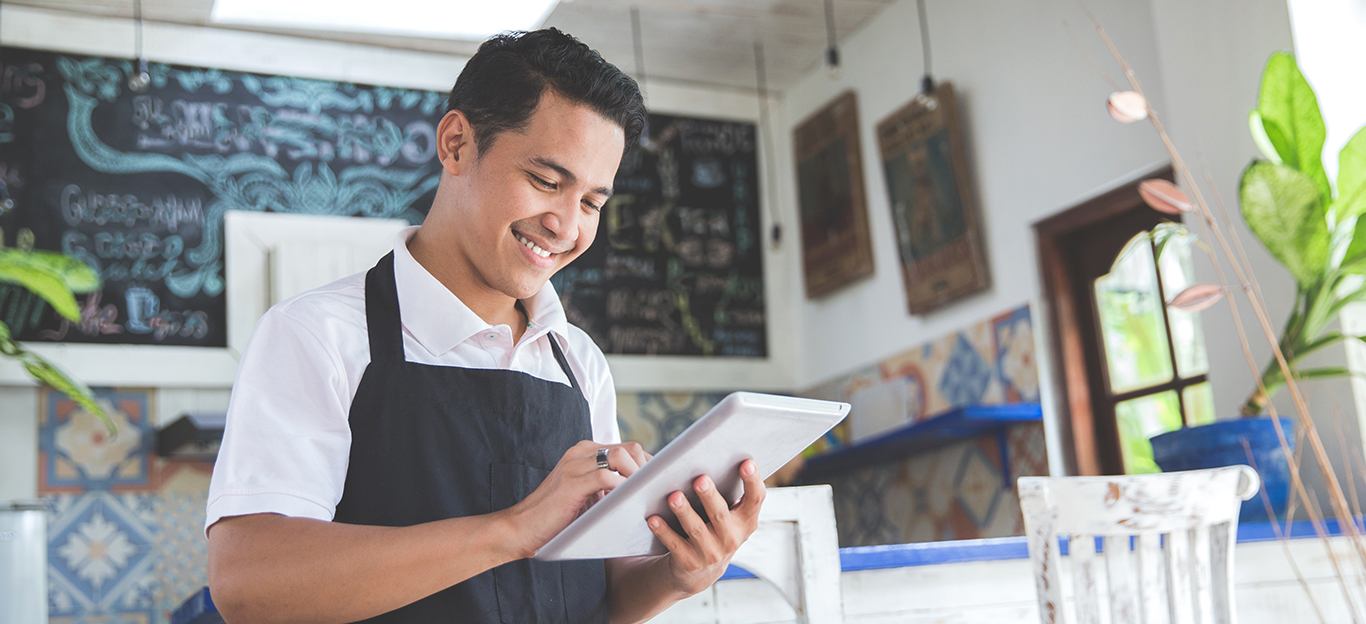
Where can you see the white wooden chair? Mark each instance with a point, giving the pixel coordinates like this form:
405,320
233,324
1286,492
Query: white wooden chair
1168,544
795,549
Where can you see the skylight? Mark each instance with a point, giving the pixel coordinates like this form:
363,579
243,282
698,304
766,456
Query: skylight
460,19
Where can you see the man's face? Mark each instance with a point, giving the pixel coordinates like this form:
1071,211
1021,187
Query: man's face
530,204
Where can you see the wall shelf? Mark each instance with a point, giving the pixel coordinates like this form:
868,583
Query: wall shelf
957,425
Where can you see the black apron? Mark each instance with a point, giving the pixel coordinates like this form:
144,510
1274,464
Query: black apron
435,442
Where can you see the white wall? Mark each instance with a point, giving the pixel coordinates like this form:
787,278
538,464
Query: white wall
1039,141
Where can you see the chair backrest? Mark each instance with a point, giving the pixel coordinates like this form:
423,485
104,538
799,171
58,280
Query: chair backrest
796,549
1167,544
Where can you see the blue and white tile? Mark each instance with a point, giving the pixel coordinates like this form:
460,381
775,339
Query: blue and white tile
76,452
977,486
966,374
99,553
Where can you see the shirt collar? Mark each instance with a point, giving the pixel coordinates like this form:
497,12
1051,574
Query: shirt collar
440,321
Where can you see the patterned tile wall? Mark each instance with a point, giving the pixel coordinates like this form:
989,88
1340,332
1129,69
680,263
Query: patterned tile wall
962,491
124,526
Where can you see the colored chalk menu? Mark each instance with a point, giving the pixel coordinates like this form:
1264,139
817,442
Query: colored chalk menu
677,266
136,185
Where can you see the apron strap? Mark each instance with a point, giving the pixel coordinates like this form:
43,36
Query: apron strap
564,364
382,316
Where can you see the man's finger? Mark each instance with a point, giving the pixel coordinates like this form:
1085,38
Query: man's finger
754,490
637,452
718,510
692,524
671,540
619,460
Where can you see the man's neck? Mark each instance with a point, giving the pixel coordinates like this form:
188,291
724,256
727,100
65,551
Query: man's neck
456,273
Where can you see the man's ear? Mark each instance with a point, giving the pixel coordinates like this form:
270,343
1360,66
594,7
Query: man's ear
455,143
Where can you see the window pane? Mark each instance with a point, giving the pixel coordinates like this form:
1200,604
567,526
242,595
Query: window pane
1199,400
1143,418
1178,273
1131,322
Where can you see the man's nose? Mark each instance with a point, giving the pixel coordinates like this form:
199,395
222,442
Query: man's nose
563,222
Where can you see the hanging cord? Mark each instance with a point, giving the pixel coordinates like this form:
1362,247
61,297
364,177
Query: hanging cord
926,82
761,81
139,80
640,50
638,42
832,49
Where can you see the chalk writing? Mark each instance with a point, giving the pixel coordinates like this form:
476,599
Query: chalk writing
96,320
136,185
166,212
681,272
24,84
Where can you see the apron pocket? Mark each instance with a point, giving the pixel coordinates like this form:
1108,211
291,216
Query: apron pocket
529,591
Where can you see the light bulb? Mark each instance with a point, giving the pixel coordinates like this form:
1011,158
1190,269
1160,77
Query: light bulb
139,81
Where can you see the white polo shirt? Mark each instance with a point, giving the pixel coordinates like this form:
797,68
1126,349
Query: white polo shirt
288,441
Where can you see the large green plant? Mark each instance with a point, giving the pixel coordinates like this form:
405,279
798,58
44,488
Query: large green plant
56,278
1310,224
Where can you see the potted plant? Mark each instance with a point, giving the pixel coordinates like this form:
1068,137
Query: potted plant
1313,226
55,278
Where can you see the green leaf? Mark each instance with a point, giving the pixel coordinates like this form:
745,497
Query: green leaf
77,276
45,285
1354,261
1290,116
1261,138
51,276
44,371
1352,177
1284,208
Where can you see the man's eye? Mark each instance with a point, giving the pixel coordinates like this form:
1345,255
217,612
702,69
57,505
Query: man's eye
544,183
592,206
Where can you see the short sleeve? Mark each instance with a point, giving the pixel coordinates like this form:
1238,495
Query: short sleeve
287,440
590,365
606,429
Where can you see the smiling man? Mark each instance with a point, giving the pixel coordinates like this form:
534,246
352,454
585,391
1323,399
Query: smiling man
400,442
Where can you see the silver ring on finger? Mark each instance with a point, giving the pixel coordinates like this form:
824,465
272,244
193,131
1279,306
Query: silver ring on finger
602,458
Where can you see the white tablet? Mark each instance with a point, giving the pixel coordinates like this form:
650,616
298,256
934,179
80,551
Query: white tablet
767,428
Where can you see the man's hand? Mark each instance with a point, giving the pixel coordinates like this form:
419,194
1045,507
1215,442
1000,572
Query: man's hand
700,558
572,486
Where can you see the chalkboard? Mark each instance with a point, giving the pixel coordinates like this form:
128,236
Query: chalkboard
677,265
136,184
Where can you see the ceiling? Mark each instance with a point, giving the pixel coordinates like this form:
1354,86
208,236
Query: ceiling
708,42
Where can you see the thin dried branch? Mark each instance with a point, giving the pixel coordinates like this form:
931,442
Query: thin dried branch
1281,536
1086,55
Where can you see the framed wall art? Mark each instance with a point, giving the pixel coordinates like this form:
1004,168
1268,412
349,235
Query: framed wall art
934,211
837,248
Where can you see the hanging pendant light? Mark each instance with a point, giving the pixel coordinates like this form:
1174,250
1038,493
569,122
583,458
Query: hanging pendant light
140,80
926,81
761,83
639,45
832,49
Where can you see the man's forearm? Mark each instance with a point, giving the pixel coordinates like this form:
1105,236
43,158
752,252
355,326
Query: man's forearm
272,568
639,588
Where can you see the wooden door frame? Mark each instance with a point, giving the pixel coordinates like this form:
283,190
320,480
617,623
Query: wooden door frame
1073,376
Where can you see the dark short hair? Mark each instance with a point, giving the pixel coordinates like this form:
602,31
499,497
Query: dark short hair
503,82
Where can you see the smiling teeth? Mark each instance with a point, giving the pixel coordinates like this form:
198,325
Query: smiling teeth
533,247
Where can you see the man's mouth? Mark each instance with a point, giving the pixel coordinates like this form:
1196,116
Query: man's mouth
536,249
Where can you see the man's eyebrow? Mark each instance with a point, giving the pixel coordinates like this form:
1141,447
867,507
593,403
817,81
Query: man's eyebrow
550,163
